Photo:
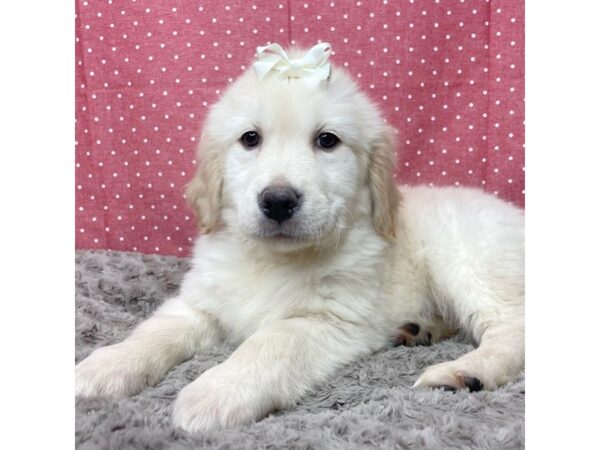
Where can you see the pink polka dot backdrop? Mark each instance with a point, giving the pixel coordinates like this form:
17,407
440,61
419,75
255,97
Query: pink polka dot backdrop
448,74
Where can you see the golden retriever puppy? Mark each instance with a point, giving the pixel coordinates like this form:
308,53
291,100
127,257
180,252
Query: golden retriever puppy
310,257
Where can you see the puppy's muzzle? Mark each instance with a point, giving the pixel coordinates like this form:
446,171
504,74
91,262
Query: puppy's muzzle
279,203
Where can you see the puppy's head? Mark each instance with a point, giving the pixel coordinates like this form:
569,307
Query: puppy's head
293,164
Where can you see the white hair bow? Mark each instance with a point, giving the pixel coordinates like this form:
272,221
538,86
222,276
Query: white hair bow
313,66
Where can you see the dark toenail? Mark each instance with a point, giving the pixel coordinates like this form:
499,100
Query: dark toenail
400,340
411,328
473,384
429,336
445,387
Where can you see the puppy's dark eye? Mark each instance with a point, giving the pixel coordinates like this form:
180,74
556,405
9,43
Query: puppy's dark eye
327,140
250,139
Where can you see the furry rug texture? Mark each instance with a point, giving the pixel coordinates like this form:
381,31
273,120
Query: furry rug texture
368,404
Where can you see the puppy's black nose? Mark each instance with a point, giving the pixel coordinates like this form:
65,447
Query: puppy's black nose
279,202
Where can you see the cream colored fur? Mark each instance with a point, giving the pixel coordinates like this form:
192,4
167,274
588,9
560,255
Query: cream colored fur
334,283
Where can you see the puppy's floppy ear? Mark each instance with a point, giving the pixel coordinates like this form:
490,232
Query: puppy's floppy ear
385,196
203,192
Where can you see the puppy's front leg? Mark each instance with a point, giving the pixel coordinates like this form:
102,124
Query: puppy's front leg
173,334
271,370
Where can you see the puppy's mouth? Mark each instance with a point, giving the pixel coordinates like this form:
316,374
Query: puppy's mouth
287,231
291,236
281,234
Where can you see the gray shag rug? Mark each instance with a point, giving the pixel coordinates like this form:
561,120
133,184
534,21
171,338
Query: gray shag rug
369,404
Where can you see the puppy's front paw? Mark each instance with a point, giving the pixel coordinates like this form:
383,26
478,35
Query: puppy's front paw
219,399
111,371
451,376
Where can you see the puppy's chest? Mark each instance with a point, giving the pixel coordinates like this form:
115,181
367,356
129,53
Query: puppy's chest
245,300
